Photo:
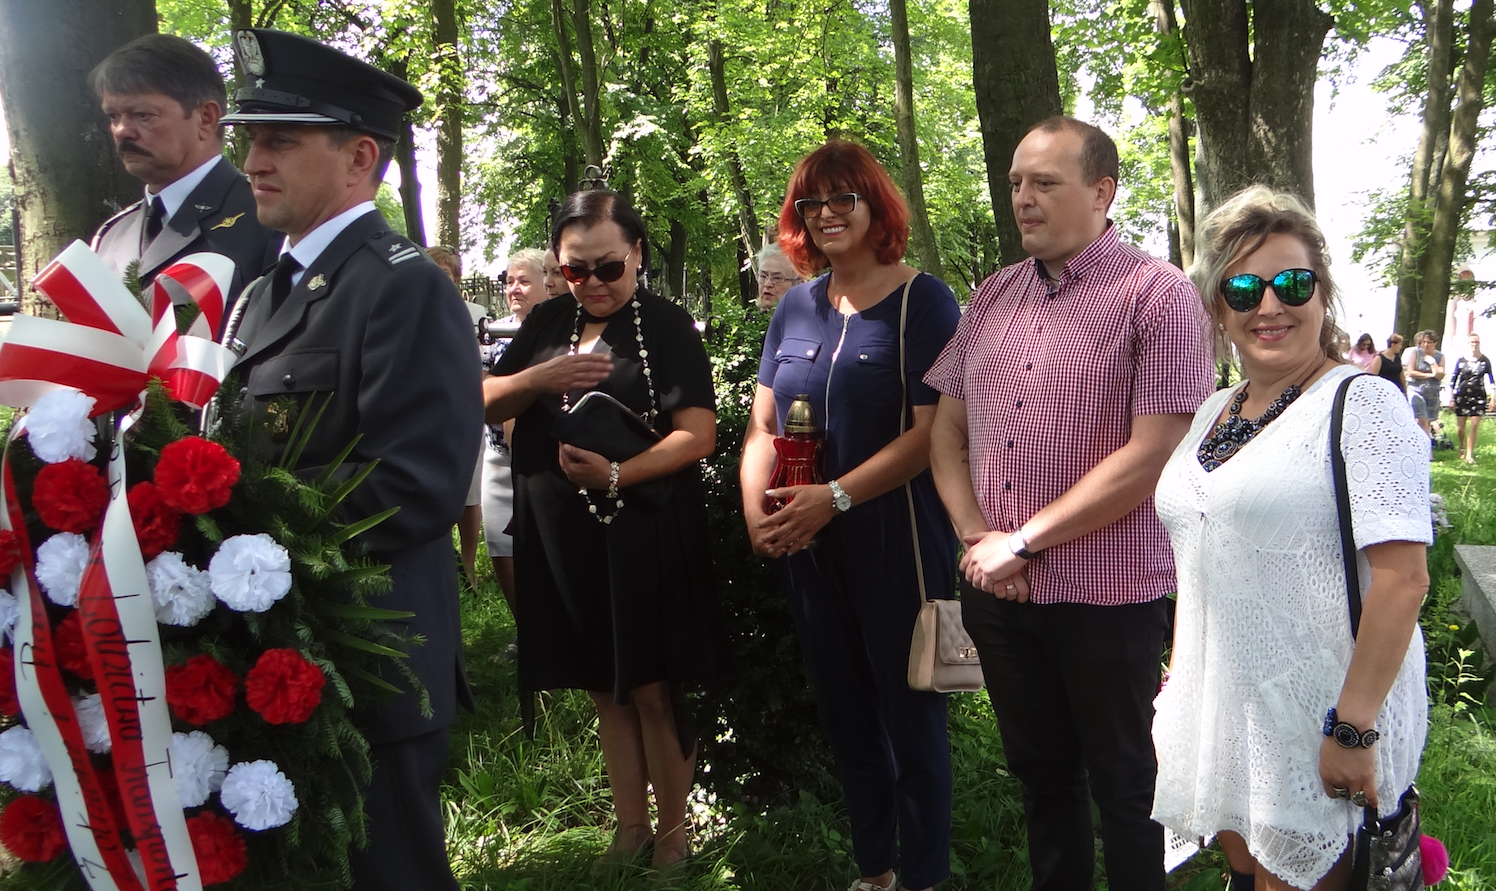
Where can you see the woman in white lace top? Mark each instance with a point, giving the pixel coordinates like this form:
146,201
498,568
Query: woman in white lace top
1263,646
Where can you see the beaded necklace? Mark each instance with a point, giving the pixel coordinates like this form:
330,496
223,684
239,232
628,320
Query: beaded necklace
1231,434
576,337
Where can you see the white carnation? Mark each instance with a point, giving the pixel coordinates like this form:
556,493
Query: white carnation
91,720
198,765
180,591
21,761
58,427
250,572
10,610
258,795
60,561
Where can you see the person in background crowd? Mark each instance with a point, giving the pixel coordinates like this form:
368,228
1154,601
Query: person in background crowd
357,315
1423,367
854,598
1364,354
1470,400
470,525
1263,644
555,284
1046,456
525,271
164,97
776,275
1389,362
612,556
1343,345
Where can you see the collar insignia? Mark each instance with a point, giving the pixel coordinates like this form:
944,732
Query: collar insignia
227,222
203,206
317,283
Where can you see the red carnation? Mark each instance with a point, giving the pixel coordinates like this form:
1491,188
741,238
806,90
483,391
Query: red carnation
219,847
284,687
201,691
10,553
70,496
157,524
10,704
195,475
31,829
67,638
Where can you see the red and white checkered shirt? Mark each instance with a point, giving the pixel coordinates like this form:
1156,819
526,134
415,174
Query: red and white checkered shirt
1052,374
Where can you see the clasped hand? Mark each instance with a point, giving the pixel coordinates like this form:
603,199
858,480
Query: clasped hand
990,565
791,528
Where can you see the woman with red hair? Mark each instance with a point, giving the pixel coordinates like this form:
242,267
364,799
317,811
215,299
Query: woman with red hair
857,341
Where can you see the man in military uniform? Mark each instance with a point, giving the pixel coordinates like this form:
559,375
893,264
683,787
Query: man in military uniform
358,315
164,98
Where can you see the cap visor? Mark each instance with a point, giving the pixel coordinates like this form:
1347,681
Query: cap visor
277,117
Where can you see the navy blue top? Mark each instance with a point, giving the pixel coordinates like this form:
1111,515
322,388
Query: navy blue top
849,366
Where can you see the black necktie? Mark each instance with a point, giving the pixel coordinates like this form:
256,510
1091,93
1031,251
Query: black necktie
155,216
280,280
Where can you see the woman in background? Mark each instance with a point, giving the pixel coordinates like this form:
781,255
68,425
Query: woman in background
1470,400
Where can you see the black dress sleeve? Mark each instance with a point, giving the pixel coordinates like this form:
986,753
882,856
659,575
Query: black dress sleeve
678,360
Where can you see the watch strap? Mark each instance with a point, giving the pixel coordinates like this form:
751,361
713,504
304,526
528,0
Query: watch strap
1019,546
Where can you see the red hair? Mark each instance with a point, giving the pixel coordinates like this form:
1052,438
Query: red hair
843,165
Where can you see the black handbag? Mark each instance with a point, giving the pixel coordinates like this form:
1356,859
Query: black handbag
599,423
1387,852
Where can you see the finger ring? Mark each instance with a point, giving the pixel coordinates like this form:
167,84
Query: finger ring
1342,793
1359,799
1011,588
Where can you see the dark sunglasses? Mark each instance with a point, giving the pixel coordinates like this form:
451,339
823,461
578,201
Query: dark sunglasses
606,273
1294,287
810,208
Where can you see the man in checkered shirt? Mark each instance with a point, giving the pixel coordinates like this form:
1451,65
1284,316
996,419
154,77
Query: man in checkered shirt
1070,379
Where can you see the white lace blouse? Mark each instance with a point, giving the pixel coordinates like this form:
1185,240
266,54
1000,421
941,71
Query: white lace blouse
1262,640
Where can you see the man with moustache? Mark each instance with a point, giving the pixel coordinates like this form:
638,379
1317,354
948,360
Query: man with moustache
164,97
358,318
1069,381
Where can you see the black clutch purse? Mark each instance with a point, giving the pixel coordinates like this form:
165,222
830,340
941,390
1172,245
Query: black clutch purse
599,423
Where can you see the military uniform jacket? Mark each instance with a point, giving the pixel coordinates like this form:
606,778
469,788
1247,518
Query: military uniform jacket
218,216
381,328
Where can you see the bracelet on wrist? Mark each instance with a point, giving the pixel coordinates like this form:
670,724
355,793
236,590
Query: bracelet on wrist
1346,735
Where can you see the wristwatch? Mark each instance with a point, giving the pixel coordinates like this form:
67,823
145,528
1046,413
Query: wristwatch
840,498
1019,546
1347,736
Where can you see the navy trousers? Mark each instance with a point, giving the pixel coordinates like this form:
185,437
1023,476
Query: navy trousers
407,838
854,617
1073,688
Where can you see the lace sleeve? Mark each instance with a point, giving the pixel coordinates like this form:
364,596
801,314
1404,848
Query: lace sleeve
1386,463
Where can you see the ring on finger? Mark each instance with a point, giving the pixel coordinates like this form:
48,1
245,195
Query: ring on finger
1341,792
1359,798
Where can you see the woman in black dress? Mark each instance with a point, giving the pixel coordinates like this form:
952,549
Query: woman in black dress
1470,401
618,597
1388,363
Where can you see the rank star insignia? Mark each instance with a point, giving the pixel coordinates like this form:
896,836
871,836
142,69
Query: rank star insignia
318,282
260,83
227,222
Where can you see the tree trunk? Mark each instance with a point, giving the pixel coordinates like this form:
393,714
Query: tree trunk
1016,86
1439,37
673,281
568,76
590,124
68,179
451,92
749,233
1255,110
405,158
1182,233
1450,199
923,236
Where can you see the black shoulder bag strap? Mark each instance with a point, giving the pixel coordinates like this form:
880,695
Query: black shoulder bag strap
1343,506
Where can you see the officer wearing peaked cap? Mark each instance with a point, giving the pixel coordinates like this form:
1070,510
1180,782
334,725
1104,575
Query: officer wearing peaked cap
357,314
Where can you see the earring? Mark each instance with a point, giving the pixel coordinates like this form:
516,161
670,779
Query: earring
1220,326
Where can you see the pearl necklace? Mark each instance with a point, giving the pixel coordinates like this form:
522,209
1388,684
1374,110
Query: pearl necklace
653,414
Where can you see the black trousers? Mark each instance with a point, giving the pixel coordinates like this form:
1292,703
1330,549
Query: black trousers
407,841
1073,688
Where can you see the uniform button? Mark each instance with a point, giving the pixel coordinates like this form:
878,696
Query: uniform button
288,381
243,391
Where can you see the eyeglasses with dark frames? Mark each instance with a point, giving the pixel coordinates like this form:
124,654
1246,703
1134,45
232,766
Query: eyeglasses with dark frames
811,208
1294,287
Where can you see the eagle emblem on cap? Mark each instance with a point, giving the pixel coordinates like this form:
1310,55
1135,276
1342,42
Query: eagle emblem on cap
249,52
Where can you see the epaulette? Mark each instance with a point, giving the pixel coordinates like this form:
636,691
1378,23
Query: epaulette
395,248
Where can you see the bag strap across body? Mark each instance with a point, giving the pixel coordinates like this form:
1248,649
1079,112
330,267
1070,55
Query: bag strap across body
919,565
1343,505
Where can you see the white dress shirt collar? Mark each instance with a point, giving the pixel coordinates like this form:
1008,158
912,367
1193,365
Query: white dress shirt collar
310,247
174,195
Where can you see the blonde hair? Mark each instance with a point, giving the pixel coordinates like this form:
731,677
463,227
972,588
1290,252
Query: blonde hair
1238,228
532,259
447,259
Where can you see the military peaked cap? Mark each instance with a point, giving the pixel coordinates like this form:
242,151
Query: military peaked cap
296,80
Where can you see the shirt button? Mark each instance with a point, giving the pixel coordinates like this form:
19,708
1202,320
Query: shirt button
288,381
1018,404
1007,486
1028,366
1010,443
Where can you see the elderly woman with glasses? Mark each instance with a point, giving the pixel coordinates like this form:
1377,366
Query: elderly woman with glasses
856,343
1281,720
776,274
609,514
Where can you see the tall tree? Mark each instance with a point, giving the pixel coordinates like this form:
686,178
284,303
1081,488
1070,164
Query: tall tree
1253,65
1017,85
405,158
1454,178
1179,149
923,236
590,121
68,178
721,111
451,102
